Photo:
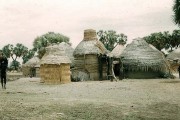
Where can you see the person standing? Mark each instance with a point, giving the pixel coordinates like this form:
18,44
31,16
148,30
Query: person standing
179,71
3,67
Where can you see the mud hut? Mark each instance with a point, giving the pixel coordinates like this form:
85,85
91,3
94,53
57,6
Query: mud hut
68,51
174,59
31,67
141,61
55,66
86,63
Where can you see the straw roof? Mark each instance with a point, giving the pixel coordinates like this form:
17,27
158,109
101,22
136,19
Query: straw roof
175,55
54,55
139,56
90,44
33,62
68,50
116,52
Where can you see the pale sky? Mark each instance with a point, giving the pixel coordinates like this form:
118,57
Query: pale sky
21,21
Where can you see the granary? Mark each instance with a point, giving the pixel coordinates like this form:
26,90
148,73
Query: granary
117,63
31,67
174,59
55,66
86,55
141,61
68,51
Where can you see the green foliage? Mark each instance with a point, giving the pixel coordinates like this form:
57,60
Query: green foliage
28,55
13,52
164,40
175,38
8,50
43,41
157,39
14,65
111,39
176,9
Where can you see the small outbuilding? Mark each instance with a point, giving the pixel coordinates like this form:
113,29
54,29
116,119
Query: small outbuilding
174,59
87,65
117,62
55,66
68,51
31,67
141,61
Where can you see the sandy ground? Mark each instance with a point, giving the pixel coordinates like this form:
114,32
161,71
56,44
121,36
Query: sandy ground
28,99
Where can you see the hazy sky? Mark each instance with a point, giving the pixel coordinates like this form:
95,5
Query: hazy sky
21,21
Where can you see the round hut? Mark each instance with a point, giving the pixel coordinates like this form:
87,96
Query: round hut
31,67
68,51
141,61
174,59
55,66
86,63
116,54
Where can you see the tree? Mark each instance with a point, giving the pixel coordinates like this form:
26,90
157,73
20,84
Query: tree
175,38
28,55
176,9
14,65
111,39
158,40
164,40
43,41
14,52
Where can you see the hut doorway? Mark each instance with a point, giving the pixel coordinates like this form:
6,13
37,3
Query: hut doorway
116,69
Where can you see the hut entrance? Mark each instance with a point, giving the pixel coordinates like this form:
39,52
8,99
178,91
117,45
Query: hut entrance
103,63
116,69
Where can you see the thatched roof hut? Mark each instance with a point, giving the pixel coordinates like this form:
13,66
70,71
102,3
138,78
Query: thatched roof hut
117,64
29,66
86,57
174,59
55,66
140,60
68,51
116,52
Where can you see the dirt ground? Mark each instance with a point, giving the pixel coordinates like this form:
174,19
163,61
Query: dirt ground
28,99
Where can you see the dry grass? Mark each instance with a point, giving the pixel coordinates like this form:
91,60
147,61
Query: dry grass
153,99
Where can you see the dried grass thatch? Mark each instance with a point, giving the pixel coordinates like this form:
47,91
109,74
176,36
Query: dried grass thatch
55,54
174,59
116,52
55,66
86,57
139,56
33,63
175,55
90,44
68,51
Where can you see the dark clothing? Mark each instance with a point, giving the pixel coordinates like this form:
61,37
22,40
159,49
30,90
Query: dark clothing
3,67
179,71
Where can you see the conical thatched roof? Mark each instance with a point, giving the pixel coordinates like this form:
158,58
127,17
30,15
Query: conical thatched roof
33,62
116,52
140,56
90,44
54,55
68,50
175,55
